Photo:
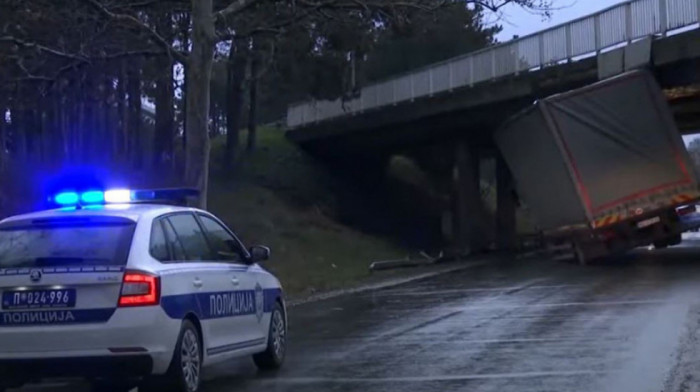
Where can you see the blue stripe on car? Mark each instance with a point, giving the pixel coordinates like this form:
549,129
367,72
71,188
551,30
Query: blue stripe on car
219,304
235,346
55,317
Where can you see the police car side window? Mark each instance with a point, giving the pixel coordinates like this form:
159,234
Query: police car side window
178,252
191,237
224,245
159,245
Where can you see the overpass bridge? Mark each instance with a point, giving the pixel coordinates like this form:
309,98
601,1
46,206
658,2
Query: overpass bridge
443,114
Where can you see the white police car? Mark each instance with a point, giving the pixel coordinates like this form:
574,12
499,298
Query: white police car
126,293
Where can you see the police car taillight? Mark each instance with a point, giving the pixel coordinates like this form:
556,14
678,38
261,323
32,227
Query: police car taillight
139,289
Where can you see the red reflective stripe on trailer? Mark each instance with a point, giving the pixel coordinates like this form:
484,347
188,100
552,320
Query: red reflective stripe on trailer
574,168
600,222
640,194
669,133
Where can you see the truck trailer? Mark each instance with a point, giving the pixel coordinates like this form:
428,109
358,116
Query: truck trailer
603,168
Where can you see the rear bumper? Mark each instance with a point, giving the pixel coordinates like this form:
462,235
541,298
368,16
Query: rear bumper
129,332
127,366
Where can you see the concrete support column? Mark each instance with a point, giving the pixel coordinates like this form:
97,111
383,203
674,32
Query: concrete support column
506,237
469,208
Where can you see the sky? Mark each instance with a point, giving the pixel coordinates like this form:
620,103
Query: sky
517,21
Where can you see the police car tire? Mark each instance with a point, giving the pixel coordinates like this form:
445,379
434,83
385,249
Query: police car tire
271,358
174,379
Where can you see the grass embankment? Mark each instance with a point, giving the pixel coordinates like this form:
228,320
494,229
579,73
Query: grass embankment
280,197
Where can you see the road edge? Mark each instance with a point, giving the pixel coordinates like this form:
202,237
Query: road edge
385,284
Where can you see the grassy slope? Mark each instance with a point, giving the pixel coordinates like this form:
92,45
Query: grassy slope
280,197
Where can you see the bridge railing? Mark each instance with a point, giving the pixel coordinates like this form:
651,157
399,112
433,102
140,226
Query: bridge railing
615,26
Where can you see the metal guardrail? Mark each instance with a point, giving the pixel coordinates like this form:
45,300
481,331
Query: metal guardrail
618,25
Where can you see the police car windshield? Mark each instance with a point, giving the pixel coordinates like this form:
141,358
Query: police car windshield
65,244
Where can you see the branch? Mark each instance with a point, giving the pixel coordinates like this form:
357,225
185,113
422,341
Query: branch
233,8
261,72
495,6
275,29
379,5
45,49
180,57
132,53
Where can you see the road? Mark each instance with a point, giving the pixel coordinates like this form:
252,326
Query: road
528,325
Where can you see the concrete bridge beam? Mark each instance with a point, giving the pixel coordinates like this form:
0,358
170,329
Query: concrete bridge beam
506,236
469,214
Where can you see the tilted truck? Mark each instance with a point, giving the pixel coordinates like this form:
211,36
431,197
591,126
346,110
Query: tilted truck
603,168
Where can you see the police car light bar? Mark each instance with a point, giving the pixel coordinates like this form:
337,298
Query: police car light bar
66,198
117,196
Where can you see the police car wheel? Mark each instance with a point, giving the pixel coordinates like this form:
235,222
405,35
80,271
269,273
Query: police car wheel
273,356
185,368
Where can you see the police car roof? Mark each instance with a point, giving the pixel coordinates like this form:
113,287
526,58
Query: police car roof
128,211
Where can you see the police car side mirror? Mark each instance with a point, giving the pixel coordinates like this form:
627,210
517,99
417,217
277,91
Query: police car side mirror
259,253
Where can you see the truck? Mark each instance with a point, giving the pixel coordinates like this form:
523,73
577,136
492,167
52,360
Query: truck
603,168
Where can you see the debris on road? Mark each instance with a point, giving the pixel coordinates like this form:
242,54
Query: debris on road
406,262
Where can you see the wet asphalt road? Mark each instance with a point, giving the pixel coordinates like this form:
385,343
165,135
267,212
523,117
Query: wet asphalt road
514,326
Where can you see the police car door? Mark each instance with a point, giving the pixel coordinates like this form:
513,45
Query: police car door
242,303
209,282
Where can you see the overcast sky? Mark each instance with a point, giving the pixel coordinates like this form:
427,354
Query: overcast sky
517,21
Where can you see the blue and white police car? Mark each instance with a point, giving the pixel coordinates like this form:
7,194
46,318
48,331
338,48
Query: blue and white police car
126,292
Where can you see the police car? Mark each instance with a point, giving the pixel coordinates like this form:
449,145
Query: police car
126,292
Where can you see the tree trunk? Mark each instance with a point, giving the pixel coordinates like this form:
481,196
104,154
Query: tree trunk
26,122
185,29
88,130
3,143
120,134
105,124
165,113
133,88
78,130
198,85
48,130
234,101
253,105
19,128
59,142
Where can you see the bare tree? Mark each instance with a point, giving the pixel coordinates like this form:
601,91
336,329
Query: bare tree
94,33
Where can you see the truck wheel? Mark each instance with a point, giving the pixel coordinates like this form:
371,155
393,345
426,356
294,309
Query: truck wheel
273,356
675,240
579,256
661,244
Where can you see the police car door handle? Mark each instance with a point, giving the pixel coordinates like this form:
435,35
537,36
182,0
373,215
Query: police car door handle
197,283
234,280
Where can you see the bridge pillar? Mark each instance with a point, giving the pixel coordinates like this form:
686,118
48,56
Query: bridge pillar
469,214
506,237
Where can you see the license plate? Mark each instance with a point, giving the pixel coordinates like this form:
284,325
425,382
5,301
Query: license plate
38,299
648,222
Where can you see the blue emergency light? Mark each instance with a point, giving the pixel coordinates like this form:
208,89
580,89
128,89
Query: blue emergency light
122,196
